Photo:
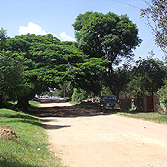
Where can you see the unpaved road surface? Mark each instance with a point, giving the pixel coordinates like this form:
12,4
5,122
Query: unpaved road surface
107,141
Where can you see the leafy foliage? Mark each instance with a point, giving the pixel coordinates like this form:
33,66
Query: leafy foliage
3,36
79,95
11,76
121,77
46,62
162,93
109,37
106,36
31,64
147,76
88,75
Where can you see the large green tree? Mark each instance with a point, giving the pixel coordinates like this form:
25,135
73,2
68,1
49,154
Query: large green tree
49,63
147,77
156,15
107,37
3,36
88,75
46,60
11,77
11,72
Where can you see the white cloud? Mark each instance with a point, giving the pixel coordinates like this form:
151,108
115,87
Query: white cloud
66,37
33,28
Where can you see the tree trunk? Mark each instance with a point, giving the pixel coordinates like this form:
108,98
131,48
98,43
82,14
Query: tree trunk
23,102
116,93
1,101
110,80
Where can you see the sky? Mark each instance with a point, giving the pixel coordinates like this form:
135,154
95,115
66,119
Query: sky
56,17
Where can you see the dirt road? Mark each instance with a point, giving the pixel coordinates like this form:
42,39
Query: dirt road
107,141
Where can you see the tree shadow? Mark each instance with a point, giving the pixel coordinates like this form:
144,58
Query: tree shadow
53,127
48,120
22,118
69,111
76,111
12,162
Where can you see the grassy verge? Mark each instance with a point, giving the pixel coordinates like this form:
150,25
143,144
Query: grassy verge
30,149
34,103
150,116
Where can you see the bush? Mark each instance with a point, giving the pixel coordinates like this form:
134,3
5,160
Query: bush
78,95
162,93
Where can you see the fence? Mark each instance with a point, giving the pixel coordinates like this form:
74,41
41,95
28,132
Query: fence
146,103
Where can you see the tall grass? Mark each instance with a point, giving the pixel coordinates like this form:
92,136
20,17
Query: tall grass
30,149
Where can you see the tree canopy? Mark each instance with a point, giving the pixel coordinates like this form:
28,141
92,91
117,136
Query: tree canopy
3,36
31,64
107,37
11,77
147,77
46,62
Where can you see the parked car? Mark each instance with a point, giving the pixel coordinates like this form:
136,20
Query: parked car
109,102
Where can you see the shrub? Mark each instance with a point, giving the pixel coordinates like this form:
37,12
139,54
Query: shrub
162,93
78,95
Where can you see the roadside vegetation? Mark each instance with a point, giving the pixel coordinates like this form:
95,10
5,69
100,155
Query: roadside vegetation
28,146
100,61
150,116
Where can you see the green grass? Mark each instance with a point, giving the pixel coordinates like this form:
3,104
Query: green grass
31,147
31,102
34,103
150,116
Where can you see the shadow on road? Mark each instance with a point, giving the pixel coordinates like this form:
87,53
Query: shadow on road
68,111
52,127
73,111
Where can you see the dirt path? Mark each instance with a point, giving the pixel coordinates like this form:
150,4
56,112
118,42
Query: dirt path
107,141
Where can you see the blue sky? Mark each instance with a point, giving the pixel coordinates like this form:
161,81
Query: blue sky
57,17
